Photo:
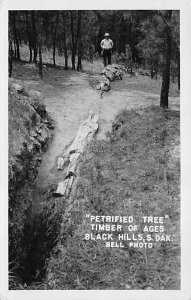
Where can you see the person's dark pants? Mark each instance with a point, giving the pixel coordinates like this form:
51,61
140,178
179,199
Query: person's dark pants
107,57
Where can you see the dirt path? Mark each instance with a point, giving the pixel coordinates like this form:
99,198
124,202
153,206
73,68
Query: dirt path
69,97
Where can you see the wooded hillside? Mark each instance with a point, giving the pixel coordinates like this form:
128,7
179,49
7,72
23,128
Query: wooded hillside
149,39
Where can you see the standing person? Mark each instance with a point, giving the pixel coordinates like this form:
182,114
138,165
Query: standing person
106,45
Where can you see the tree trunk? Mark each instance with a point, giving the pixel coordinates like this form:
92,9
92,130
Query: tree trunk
166,70
15,50
85,134
10,58
54,33
54,52
39,41
73,41
15,31
40,60
35,55
179,74
10,28
34,37
79,66
64,40
30,50
29,36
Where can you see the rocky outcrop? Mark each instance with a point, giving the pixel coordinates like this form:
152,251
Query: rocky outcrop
29,132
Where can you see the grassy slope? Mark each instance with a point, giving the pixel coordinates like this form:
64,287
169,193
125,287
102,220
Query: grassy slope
134,173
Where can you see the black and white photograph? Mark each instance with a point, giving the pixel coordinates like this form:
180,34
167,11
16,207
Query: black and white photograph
94,198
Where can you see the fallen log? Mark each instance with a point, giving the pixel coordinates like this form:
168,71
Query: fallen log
109,74
85,133
103,85
113,72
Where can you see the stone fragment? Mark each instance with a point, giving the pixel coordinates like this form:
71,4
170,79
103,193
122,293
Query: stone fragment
17,87
62,161
33,133
40,139
44,134
35,142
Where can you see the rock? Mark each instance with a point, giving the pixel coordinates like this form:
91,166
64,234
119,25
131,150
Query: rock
98,87
62,161
44,134
119,75
52,188
105,87
37,119
38,130
50,126
31,147
40,139
62,187
33,133
35,142
110,75
17,87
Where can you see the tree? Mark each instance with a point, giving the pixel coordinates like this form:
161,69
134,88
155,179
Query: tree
10,46
40,37
64,40
79,65
10,59
175,29
34,35
73,45
28,28
40,58
150,46
54,26
143,32
15,32
167,57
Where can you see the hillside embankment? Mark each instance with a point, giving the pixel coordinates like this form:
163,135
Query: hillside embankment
30,131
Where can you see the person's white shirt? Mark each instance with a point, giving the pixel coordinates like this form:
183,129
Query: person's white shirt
106,44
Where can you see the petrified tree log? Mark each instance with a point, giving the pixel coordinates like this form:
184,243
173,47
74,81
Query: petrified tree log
85,133
109,74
